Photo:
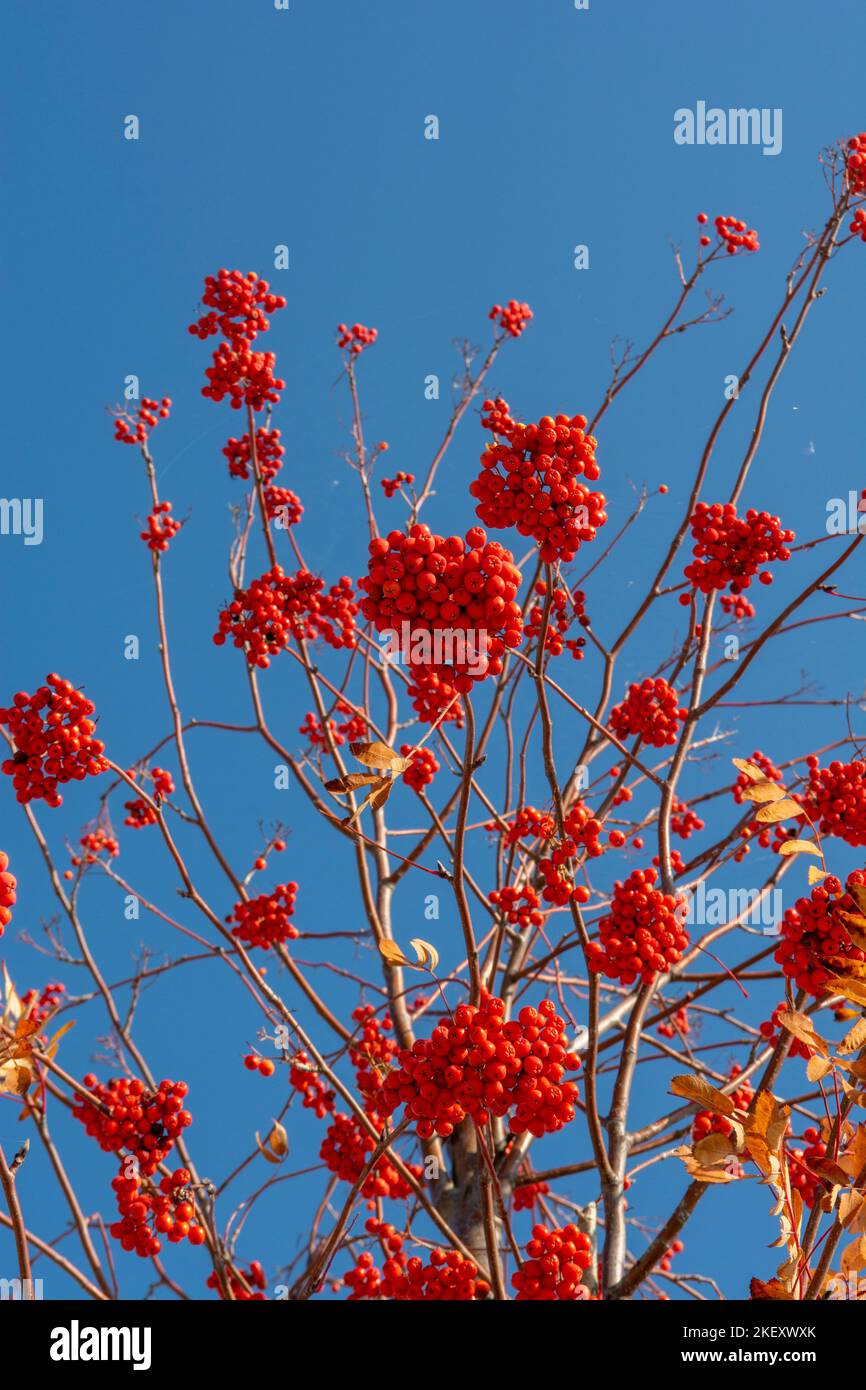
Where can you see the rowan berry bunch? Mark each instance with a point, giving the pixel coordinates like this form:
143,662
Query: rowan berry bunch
809,1184
140,813
855,163
161,527
422,768
651,710
512,317
346,1151
708,1122
38,1006
238,305
126,1116
528,1194
371,1052
684,821
284,506
815,944
738,607
672,1251
135,428
351,728
266,921
731,550
733,233
269,454
390,486
836,799
556,1261
246,1285
8,885
644,933
532,481
858,224
476,1064
263,618
94,843
53,734
446,586
315,1095
676,1026
448,1277
565,609
263,1065
148,1211
434,699
527,824
519,906
355,338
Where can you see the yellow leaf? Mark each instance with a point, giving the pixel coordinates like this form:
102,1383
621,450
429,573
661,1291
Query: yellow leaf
694,1088
779,810
764,791
855,926
51,1045
815,874
752,771
278,1140
818,1067
854,1038
800,847
855,990
802,1027
853,1256
713,1149
15,1078
392,952
427,955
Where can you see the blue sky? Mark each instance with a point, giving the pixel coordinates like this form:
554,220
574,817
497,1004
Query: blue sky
306,128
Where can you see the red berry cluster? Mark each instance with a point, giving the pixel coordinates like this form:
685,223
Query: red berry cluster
161,527
858,224
283,505
266,920
39,1007
8,885
434,700
352,728
836,799
263,1065
519,906
448,1277
277,607
476,1064
738,607
528,824
356,337
238,305
675,1026
855,163
808,1184
769,1031
53,735
734,233
556,1261
512,317
730,550
565,609
684,821
269,455
246,1285
651,709
309,1085
125,1115
148,1212
422,768
93,843
346,1151
139,812
664,1264
708,1122
135,429
815,944
393,485
532,481
644,933
528,1193
446,585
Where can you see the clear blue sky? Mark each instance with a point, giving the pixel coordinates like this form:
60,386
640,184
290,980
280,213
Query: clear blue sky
305,127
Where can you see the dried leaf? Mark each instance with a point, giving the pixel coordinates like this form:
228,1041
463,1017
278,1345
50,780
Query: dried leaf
694,1088
800,847
392,952
427,955
278,1140
855,925
752,771
817,1067
15,1078
265,1153
853,1256
858,893
779,810
802,1027
377,755
855,990
764,791
351,782
854,1038
815,874
774,1290
380,796
713,1149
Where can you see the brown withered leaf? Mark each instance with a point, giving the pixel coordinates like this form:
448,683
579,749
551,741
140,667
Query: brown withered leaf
16,1078
799,847
853,1257
802,1027
696,1089
817,1067
855,925
709,1173
714,1148
377,755
265,1152
854,1038
376,797
392,952
764,791
815,874
858,893
428,956
752,771
278,1140
852,989
851,1211
351,782
779,810
826,1168
774,1290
